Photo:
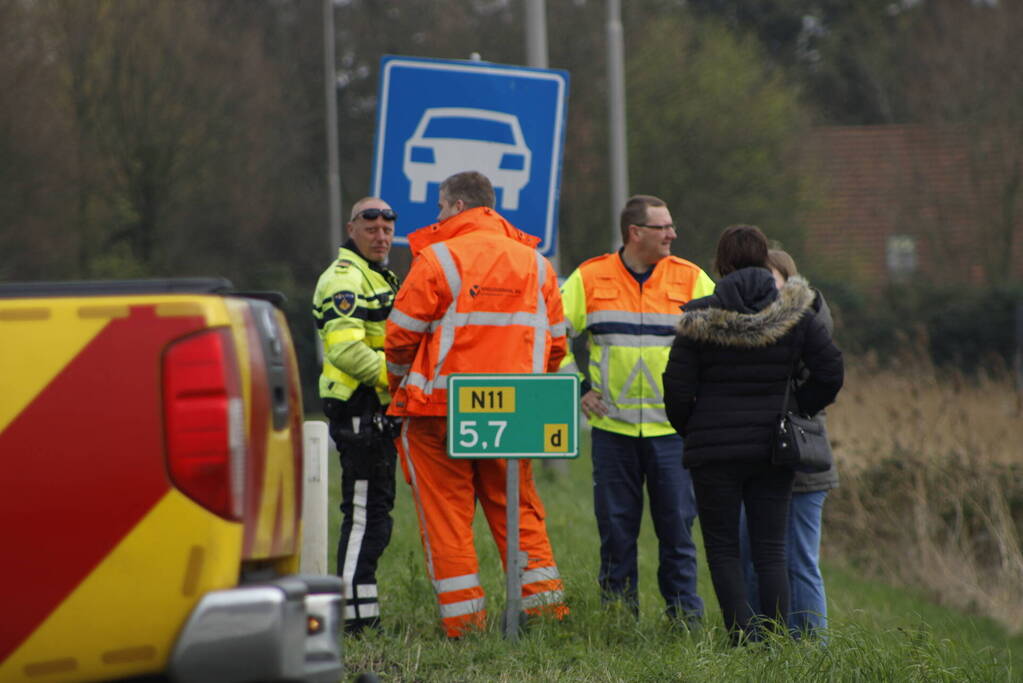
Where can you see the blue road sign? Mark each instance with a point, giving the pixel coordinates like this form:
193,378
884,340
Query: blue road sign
439,117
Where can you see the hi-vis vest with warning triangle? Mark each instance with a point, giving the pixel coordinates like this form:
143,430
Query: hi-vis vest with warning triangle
630,329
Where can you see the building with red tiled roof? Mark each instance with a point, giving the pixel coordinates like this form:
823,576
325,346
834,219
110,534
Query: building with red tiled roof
902,201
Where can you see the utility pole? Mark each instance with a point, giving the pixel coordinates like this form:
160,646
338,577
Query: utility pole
536,33
616,117
330,92
515,564
536,56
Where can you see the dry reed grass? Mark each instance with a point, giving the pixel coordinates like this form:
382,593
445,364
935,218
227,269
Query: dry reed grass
932,482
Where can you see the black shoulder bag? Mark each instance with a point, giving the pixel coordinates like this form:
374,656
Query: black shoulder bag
800,443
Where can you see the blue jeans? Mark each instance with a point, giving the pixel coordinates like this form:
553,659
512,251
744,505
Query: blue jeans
621,465
808,609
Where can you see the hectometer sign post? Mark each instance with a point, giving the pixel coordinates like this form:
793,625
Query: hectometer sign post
513,416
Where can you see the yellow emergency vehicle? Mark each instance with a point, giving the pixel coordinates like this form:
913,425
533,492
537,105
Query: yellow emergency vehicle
150,488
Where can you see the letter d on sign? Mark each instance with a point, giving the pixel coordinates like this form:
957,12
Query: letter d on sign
555,438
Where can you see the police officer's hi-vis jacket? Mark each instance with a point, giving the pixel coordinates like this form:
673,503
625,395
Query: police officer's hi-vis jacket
630,328
352,301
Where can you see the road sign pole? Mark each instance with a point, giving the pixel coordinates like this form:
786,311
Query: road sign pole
513,610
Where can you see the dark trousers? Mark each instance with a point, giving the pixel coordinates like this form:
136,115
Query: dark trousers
621,466
367,498
765,490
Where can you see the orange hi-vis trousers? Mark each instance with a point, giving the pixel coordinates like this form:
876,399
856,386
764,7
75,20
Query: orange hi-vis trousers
445,491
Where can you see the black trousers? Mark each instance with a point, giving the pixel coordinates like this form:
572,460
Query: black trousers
367,499
765,490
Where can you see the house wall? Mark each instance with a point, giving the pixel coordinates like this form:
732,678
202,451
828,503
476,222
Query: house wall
943,188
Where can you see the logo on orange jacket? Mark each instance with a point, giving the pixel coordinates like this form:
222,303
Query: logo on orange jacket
477,290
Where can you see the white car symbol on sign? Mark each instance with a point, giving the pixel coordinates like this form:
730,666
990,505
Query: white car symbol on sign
449,140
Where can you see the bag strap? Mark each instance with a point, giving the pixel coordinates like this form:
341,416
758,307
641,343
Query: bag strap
793,368
785,401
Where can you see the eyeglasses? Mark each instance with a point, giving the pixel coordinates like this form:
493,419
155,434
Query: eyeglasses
669,226
373,214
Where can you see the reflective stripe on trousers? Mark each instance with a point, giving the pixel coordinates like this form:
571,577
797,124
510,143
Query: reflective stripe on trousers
445,491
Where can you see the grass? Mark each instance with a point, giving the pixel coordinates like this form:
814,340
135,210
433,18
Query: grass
932,483
879,633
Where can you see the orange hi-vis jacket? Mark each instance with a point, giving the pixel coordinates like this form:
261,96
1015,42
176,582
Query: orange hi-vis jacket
478,298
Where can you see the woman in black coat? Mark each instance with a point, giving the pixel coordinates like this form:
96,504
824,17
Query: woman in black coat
724,386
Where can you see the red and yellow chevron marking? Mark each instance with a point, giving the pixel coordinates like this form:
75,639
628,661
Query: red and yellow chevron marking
78,465
96,541
123,618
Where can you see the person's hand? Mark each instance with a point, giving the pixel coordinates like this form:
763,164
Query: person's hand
592,404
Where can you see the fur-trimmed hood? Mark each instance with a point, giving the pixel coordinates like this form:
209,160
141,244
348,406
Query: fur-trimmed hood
704,320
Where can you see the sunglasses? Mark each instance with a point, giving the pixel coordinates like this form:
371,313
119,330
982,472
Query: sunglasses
373,214
669,226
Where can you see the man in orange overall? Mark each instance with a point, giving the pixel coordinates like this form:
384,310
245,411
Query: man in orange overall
478,298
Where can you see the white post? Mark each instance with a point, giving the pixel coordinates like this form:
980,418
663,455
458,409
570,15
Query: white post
315,447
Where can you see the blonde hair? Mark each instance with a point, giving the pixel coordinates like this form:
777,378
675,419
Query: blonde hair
357,206
781,261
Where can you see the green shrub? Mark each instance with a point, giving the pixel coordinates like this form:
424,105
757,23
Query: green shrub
962,327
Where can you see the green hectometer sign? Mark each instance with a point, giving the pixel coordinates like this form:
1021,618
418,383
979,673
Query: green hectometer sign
513,416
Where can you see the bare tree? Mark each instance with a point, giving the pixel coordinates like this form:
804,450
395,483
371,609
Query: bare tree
173,125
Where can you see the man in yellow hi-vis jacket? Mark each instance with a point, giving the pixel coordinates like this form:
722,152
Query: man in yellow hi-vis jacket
352,301
627,304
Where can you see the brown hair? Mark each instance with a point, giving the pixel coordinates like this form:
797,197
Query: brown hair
781,261
741,246
634,212
472,187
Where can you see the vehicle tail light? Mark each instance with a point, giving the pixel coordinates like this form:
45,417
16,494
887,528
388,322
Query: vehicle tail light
204,420
512,162
422,155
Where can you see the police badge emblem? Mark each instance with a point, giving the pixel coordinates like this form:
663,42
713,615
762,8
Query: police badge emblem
344,302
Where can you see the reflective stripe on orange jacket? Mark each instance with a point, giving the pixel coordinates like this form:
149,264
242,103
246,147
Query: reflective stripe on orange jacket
629,328
478,298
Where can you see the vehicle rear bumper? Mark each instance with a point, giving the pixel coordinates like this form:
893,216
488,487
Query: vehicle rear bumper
262,632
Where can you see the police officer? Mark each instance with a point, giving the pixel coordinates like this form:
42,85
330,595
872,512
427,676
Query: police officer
352,301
